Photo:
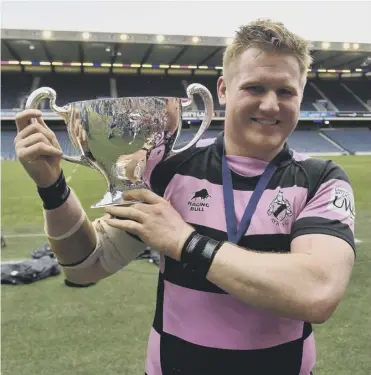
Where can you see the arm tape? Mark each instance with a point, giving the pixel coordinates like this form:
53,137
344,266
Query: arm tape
71,231
114,250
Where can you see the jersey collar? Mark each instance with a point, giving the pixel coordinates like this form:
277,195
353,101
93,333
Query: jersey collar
284,157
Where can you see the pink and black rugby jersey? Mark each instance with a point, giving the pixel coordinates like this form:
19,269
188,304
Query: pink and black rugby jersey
199,329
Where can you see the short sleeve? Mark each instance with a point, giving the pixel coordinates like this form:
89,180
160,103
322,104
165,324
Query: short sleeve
331,210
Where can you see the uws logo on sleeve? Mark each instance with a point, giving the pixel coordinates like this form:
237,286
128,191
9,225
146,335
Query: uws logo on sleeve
280,210
342,201
199,200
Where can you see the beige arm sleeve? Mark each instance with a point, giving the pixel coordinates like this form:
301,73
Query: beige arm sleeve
113,251
88,251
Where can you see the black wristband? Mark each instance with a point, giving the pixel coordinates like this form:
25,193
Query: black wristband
54,195
198,253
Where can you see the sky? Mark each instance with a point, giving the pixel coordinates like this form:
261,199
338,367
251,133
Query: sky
333,21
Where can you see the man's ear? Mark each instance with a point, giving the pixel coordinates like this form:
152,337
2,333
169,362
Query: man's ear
222,90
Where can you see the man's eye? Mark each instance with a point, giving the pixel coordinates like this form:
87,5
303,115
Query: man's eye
255,89
285,92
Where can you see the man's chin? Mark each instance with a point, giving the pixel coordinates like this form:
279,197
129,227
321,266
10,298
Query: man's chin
263,138
263,143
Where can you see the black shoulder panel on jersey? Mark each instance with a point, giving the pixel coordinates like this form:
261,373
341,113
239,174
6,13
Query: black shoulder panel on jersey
319,171
165,170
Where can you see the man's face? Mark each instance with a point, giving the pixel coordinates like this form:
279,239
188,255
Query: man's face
262,93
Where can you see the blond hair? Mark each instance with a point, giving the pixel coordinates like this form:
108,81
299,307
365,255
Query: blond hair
269,36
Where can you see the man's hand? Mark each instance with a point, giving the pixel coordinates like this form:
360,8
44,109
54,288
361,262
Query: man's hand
155,221
37,148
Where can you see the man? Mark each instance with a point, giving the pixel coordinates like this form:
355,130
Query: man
237,290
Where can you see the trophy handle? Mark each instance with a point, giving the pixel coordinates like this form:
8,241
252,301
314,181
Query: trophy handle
196,88
33,102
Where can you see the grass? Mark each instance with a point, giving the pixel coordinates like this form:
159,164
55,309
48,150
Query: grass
49,329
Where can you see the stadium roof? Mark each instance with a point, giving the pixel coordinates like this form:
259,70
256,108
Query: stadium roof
24,48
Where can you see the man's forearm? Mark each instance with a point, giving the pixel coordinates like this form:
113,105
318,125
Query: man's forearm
289,285
70,232
88,251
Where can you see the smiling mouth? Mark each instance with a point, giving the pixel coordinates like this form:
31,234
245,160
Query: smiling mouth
265,122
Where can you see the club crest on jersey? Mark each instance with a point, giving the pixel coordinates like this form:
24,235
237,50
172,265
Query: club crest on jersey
280,209
199,200
342,201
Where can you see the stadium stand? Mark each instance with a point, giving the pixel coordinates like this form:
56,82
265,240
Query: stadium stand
84,86
7,145
353,140
346,95
14,89
311,141
150,86
339,96
362,88
305,141
310,98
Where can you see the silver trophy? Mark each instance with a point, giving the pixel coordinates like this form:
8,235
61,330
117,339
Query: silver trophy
125,138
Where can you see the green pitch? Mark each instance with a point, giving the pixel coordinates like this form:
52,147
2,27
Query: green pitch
49,329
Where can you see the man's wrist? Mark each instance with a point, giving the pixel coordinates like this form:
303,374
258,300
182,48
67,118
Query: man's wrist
198,253
47,181
56,194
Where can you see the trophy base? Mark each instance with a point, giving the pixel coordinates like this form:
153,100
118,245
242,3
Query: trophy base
115,199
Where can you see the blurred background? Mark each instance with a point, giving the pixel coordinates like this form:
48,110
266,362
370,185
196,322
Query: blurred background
87,50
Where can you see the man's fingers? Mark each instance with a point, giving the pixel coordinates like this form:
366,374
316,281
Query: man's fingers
34,128
22,119
31,153
143,207
43,123
129,213
52,135
143,195
37,128
33,139
126,225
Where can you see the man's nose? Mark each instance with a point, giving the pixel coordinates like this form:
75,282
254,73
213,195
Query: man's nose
269,104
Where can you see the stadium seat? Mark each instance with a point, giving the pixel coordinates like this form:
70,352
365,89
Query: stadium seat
354,140
310,141
310,97
339,96
362,88
14,89
76,87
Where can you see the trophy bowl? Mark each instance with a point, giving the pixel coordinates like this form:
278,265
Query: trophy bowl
125,138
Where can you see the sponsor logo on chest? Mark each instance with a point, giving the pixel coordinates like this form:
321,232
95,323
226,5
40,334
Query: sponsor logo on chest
199,201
